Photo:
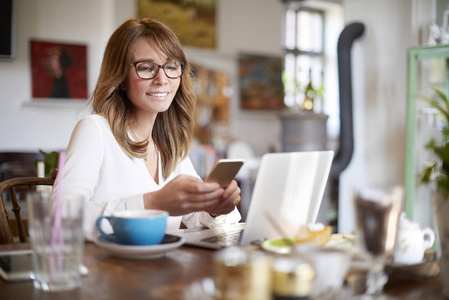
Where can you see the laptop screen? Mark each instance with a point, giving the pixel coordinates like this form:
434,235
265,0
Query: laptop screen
291,187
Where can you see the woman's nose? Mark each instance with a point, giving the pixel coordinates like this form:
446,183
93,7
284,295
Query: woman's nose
161,78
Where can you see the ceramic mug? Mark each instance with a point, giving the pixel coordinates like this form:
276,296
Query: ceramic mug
411,244
330,264
135,227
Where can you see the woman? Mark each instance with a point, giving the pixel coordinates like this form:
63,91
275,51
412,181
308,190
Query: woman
132,152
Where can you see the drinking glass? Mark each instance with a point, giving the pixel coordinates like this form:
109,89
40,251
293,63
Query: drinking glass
57,241
377,215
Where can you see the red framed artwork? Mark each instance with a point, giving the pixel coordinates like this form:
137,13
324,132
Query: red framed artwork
58,71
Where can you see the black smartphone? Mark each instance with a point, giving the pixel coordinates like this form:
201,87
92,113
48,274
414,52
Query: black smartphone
224,171
16,265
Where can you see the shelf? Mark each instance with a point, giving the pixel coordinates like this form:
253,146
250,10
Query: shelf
56,103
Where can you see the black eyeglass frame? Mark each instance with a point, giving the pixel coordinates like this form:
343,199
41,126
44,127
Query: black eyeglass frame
183,64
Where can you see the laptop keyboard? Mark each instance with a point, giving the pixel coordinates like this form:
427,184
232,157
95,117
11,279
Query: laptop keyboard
231,238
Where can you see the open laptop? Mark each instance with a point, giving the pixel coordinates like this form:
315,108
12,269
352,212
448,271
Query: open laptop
289,185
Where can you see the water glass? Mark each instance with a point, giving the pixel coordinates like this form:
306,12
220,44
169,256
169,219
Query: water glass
56,235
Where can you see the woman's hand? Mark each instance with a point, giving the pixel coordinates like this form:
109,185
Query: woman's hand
228,200
184,194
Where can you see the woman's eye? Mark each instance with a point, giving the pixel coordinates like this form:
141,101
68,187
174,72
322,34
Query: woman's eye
145,68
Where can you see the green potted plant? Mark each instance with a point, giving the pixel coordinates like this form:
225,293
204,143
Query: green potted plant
50,160
438,173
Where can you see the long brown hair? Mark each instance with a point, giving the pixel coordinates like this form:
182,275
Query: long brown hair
173,129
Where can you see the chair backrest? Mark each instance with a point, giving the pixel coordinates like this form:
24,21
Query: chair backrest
8,192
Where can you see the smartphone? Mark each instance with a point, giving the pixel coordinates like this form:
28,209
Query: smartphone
224,171
16,265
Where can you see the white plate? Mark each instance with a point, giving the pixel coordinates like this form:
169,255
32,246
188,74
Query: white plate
169,243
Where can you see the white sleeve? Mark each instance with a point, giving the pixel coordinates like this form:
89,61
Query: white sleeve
84,156
203,219
80,173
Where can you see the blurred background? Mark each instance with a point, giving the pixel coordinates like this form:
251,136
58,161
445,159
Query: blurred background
259,65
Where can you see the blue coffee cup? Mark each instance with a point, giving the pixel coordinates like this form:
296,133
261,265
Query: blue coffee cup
135,227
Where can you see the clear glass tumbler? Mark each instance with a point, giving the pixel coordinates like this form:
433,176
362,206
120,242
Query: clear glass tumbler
56,236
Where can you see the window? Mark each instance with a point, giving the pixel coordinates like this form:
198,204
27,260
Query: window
310,41
304,58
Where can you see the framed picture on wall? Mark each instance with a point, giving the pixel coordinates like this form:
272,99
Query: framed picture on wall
193,21
7,29
58,70
260,82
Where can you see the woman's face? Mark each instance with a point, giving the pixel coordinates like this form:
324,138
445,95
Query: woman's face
150,95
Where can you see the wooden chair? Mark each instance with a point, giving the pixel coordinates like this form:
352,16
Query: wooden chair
10,187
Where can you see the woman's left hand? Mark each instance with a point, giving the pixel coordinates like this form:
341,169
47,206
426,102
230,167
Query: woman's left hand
228,200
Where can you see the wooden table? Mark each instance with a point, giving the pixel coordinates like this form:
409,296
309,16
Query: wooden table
165,277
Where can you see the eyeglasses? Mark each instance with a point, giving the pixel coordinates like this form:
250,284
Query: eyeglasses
148,70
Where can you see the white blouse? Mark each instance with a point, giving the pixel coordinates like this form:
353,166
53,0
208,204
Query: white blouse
98,170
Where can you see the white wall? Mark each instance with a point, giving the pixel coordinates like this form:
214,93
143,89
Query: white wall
379,64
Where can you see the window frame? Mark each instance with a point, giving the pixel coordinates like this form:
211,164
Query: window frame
297,53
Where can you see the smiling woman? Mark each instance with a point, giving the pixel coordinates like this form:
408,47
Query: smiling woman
132,153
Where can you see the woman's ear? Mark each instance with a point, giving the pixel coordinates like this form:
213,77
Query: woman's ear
123,86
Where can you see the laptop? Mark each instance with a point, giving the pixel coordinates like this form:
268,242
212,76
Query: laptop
288,185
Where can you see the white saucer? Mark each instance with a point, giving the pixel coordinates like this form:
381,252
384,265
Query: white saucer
169,243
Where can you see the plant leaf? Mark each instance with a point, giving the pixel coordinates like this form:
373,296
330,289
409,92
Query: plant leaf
441,94
425,177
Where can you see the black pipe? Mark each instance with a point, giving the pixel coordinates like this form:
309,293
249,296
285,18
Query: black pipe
346,139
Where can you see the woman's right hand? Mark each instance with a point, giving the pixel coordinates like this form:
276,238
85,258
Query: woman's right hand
184,194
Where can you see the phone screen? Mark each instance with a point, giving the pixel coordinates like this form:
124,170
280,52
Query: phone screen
16,265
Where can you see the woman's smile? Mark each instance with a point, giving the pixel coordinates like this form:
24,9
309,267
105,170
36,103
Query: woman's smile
158,95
